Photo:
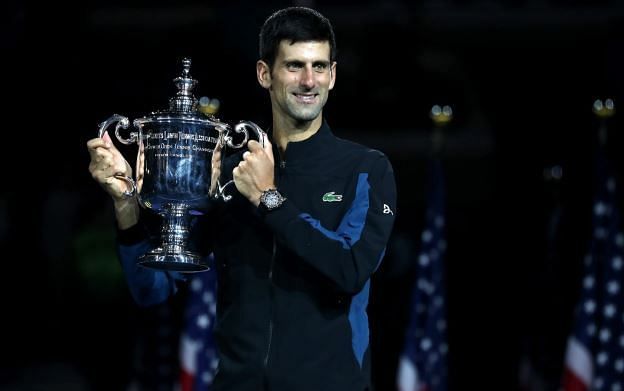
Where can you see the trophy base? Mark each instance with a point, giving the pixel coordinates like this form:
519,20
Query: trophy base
185,262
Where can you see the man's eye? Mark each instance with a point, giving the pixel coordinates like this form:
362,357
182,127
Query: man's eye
293,66
320,67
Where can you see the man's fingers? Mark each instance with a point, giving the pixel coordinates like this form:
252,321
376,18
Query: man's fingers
96,142
264,143
109,169
254,146
109,142
105,163
101,155
95,145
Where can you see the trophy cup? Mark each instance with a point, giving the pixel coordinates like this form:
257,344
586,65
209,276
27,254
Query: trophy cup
178,169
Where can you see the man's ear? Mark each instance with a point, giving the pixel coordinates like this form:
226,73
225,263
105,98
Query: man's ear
263,72
332,75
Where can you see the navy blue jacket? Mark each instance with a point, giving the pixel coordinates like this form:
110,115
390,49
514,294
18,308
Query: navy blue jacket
293,284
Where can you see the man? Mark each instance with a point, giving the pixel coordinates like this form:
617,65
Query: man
296,247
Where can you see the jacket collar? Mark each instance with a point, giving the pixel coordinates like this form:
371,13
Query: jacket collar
307,149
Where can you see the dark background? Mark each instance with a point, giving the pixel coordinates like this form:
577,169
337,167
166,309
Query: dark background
520,75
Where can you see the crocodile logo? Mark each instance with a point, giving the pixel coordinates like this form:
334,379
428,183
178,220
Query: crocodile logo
332,197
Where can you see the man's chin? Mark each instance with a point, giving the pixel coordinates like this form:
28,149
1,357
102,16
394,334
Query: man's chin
307,115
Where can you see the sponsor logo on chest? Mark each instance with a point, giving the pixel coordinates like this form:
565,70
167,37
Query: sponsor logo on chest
332,197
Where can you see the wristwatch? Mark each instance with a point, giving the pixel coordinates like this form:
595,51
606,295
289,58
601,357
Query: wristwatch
271,199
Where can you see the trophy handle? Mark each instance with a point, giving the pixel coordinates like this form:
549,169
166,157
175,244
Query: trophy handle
221,191
122,122
242,127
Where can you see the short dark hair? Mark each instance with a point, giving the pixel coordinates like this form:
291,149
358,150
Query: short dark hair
294,24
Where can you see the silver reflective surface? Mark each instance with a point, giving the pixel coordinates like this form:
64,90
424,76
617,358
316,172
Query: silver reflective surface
179,169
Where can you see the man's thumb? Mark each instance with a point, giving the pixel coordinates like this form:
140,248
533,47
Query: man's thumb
106,137
266,144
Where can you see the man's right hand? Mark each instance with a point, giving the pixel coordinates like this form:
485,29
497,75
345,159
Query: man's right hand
107,163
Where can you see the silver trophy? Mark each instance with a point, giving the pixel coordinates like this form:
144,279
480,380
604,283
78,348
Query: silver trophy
178,169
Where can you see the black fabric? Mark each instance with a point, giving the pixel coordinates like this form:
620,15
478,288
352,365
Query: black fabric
287,280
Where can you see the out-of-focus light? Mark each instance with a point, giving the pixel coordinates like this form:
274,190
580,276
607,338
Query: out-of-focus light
553,173
604,109
209,106
441,115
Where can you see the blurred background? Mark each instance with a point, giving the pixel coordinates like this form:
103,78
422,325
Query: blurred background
521,77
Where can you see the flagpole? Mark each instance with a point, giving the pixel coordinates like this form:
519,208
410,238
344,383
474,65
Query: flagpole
603,111
594,358
423,363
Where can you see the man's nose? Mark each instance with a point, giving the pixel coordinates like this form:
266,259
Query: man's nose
307,77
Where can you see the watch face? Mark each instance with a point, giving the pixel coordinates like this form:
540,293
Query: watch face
271,199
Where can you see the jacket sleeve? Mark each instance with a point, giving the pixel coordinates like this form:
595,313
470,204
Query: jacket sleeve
147,286
349,255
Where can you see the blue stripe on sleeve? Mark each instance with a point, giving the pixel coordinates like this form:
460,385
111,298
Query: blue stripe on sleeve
352,224
348,233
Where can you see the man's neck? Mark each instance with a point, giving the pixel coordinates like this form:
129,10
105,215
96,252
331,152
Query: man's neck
286,130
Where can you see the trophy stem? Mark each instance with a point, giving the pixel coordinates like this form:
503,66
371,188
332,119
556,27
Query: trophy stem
172,253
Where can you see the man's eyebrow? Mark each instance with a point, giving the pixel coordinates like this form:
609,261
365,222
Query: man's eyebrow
298,61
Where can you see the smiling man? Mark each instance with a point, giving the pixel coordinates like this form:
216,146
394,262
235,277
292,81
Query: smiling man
296,247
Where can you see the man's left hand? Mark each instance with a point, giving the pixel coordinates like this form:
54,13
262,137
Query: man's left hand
254,174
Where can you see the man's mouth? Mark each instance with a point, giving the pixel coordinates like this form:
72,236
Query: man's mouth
305,98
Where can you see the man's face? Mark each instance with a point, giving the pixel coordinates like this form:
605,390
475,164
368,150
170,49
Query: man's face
300,80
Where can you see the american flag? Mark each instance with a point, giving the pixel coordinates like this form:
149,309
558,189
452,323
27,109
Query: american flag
198,353
594,358
423,363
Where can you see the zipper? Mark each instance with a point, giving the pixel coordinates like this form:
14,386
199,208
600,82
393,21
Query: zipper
272,294
282,165
281,159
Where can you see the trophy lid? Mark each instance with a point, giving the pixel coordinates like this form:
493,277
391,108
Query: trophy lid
183,106
184,102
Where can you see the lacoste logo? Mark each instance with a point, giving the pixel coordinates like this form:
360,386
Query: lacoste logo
332,197
387,210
